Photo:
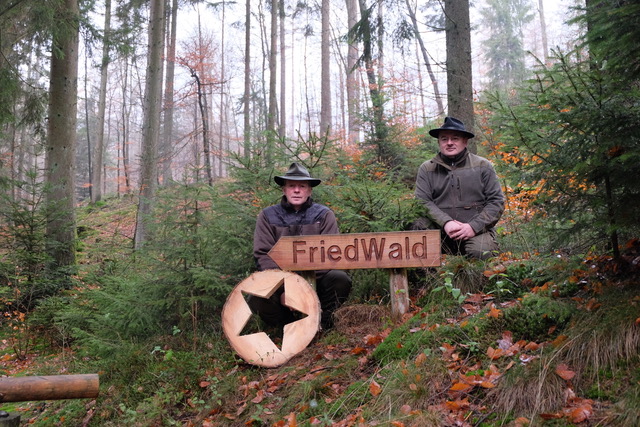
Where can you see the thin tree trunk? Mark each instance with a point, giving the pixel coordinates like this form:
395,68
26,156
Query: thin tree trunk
246,97
283,73
325,69
167,136
425,58
272,114
61,141
223,120
353,101
96,172
125,132
88,124
151,122
377,105
543,30
204,114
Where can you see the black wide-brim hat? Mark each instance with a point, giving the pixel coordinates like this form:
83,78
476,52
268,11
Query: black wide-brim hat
297,172
454,124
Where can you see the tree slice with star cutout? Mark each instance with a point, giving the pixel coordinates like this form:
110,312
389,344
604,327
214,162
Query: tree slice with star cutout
258,348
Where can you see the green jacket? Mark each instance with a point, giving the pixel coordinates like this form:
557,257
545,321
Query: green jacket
467,191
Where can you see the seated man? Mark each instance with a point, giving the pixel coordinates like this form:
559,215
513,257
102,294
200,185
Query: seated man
461,193
297,215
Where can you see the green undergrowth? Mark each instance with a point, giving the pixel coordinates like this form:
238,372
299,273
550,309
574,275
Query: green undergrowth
150,327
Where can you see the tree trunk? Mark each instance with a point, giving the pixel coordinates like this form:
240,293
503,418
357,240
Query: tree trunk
223,120
151,122
377,103
167,136
325,69
543,30
246,97
283,73
425,58
61,141
272,114
353,101
96,172
459,71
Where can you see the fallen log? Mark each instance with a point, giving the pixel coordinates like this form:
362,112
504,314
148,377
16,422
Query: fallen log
54,387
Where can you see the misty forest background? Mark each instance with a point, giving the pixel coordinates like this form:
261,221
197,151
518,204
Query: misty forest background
139,139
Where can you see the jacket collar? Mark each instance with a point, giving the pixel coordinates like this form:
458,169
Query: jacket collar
455,161
289,208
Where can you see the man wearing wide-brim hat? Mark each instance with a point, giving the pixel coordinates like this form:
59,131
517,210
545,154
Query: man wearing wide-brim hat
297,215
461,194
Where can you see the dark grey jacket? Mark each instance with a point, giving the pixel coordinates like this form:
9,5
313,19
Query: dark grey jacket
282,220
467,191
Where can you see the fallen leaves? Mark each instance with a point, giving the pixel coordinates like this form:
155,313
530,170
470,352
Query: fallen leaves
374,388
562,370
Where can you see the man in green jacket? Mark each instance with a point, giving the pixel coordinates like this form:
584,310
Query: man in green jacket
461,194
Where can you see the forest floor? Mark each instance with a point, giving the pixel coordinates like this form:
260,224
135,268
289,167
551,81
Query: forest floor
476,358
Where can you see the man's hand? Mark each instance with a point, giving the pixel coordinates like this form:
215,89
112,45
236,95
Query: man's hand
459,230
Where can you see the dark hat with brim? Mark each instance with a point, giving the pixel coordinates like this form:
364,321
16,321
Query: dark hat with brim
453,124
296,172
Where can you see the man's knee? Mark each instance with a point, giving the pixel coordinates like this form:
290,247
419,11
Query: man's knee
482,246
336,282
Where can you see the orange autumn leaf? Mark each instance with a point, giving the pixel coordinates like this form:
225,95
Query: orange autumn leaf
373,339
291,420
494,354
259,397
581,414
420,359
558,341
456,405
460,387
532,346
522,421
397,423
487,384
374,388
563,371
550,416
494,312
358,350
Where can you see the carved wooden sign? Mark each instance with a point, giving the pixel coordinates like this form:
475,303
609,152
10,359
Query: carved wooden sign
258,348
400,249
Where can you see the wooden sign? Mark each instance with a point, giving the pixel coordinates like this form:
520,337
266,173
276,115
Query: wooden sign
258,348
400,249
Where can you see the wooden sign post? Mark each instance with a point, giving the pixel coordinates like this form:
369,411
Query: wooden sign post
395,251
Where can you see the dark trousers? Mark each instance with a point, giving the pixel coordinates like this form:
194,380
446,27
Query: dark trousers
333,289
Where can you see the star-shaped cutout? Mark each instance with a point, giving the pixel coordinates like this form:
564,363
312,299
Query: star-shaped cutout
258,348
287,315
